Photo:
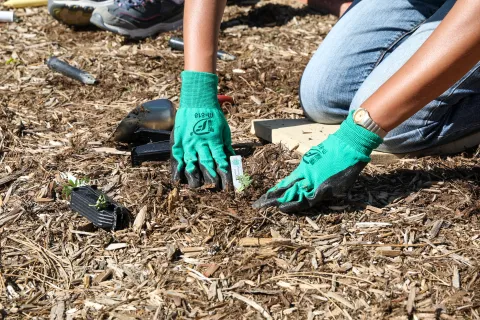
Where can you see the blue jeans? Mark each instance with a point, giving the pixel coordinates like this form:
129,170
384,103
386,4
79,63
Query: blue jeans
364,49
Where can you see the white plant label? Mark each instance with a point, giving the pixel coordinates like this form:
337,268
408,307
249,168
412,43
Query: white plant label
7,16
237,170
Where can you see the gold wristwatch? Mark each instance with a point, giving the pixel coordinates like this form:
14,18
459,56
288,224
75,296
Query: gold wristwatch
362,118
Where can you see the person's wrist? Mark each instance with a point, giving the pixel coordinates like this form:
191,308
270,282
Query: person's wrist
199,90
362,118
359,138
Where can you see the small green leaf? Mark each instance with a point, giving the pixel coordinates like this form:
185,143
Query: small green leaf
12,60
245,181
101,204
67,189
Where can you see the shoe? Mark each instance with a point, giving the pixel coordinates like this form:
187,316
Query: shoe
139,19
75,12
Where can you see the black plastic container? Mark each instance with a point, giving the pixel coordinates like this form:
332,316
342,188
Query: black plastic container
83,201
156,151
144,136
154,115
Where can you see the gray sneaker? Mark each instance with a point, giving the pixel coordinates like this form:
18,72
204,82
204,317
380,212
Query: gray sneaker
75,12
139,19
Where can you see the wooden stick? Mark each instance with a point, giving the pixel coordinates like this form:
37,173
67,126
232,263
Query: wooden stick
401,245
261,242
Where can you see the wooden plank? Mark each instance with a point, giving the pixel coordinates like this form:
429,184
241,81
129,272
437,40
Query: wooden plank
303,134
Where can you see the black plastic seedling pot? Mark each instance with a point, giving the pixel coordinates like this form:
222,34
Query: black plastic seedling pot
157,151
84,199
144,136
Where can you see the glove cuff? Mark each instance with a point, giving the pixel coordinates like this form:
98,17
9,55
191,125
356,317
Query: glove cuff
356,136
199,90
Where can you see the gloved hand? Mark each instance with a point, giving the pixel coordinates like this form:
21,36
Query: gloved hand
201,140
327,170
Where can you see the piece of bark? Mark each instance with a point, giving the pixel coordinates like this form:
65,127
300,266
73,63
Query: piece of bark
87,281
116,246
372,224
12,176
140,219
437,225
105,275
192,249
58,310
374,209
411,300
173,252
212,291
344,267
172,200
312,224
113,151
211,270
12,215
326,237
456,278
389,253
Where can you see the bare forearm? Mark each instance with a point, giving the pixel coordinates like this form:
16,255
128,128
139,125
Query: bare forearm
201,28
447,55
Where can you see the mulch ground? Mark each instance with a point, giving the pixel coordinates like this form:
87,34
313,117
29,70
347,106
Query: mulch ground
404,243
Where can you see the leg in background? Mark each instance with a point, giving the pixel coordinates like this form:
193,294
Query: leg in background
359,41
449,117
335,7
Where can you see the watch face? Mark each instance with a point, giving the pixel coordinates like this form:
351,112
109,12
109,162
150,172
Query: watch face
359,115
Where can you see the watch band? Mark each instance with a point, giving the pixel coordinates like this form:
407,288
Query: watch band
370,125
367,122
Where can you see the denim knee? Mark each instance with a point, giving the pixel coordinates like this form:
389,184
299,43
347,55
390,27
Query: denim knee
318,94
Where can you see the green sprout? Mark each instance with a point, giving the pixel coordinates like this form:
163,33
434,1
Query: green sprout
67,189
12,60
245,181
101,204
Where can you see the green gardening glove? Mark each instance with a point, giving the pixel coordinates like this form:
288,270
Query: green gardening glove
201,140
326,171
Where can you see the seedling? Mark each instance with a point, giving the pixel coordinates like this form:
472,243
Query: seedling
67,189
101,204
12,60
245,181
94,205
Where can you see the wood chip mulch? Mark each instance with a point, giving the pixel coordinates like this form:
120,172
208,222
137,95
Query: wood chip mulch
403,244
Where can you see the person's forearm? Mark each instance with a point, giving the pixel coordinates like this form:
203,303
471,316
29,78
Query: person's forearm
448,54
201,27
